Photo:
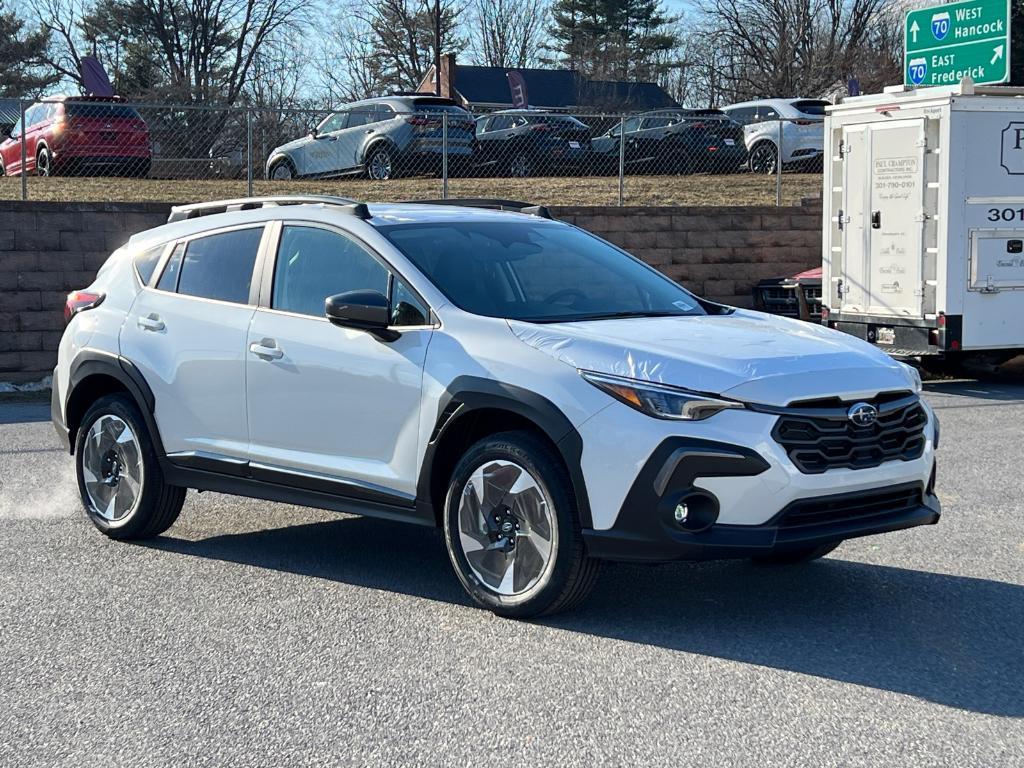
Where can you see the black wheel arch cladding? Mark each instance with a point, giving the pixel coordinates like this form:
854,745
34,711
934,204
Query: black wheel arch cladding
467,394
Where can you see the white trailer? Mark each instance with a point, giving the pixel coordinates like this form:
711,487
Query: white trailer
923,250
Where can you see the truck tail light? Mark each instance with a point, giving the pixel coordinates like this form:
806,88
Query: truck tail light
79,301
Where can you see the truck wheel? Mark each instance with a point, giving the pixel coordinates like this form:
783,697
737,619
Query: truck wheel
512,528
796,556
119,477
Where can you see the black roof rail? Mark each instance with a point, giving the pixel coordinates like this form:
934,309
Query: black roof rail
493,204
195,210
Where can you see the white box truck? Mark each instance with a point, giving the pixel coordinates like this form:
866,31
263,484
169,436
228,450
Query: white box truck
923,251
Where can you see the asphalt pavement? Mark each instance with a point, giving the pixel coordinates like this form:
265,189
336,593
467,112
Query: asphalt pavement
258,634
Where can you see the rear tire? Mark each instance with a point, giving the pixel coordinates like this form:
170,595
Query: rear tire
119,476
282,170
380,164
763,158
796,556
517,550
44,162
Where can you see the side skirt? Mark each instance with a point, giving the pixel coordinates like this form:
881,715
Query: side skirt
236,478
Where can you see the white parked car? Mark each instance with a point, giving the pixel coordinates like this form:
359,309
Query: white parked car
803,132
544,397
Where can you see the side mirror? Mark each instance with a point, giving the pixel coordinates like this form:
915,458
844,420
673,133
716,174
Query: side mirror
368,311
313,132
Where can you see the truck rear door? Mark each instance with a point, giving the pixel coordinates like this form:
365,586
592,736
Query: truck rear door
884,188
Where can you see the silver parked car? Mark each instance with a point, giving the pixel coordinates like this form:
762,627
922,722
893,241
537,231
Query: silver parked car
381,137
802,135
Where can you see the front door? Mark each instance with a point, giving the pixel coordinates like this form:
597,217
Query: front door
330,405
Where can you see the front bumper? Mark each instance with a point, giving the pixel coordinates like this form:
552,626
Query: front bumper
731,471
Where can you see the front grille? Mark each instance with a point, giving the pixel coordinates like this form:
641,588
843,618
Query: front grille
838,509
816,444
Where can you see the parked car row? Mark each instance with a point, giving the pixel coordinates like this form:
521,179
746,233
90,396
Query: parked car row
392,136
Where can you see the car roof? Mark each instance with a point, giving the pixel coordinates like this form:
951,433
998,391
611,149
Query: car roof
768,102
381,214
399,101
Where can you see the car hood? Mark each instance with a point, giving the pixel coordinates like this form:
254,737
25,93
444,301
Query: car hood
745,355
295,144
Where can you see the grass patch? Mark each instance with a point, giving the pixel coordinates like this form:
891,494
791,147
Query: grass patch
695,190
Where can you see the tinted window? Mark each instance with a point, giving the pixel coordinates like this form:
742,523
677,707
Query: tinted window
500,123
810,107
539,271
659,122
633,124
220,266
361,116
406,307
314,263
169,279
146,263
101,110
766,113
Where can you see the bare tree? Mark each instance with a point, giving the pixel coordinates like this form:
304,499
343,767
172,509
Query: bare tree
202,50
348,64
508,33
788,47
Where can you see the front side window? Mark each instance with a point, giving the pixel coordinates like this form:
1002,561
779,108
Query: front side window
333,123
537,271
314,263
219,266
633,124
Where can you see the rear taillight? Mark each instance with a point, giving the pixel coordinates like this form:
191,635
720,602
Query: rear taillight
421,121
806,122
542,127
79,301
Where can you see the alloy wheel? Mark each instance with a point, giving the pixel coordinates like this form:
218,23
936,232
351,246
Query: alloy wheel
112,468
281,172
520,167
507,528
379,166
763,159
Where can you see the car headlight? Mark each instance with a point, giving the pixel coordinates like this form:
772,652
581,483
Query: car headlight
915,378
660,400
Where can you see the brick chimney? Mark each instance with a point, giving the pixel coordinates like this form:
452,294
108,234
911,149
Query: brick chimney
447,88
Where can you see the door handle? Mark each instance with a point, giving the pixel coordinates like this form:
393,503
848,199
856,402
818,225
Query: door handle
266,349
151,322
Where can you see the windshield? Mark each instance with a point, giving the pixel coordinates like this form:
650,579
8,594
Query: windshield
537,271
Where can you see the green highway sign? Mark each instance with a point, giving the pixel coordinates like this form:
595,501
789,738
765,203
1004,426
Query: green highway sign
945,43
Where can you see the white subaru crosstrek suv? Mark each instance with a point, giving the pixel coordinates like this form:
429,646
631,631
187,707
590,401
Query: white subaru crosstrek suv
544,397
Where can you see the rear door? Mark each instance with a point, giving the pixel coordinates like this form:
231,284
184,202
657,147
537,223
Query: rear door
186,333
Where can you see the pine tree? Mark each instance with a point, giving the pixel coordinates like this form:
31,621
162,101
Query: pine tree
613,39
20,52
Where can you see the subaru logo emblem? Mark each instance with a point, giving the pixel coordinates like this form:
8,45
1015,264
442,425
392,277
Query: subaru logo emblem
862,414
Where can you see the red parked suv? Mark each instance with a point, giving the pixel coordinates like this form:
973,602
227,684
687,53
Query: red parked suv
86,134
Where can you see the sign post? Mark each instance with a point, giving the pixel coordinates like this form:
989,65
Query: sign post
945,43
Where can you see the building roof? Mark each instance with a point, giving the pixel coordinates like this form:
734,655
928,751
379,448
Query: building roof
552,89
10,111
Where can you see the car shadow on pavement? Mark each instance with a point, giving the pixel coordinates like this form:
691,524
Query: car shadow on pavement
952,640
1004,391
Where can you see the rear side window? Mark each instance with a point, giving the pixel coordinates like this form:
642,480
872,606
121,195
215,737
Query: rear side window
145,263
810,107
169,279
220,266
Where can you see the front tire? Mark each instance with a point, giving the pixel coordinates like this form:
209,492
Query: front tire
796,556
512,528
44,162
119,477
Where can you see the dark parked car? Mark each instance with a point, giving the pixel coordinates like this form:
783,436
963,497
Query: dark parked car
86,134
523,142
676,141
382,138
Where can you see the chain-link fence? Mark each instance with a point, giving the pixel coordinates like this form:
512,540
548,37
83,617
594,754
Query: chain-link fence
402,148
